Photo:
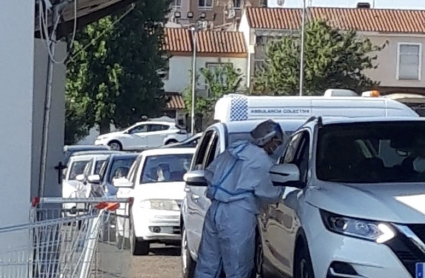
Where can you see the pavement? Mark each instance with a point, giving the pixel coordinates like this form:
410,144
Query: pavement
162,262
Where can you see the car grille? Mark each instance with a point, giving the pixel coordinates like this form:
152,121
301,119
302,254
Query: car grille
406,251
419,230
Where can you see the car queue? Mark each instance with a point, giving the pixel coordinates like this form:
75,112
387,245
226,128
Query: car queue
351,205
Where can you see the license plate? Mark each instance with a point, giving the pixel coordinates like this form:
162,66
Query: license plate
420,269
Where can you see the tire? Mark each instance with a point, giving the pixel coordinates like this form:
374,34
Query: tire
172,141
115,145
259,257
303,264
188,264
141,247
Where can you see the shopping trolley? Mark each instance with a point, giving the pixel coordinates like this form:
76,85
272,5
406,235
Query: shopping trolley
89,244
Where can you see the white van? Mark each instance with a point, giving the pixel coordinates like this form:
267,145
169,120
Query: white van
237,107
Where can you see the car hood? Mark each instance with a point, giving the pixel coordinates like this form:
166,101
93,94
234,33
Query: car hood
399,203
111,134
160,190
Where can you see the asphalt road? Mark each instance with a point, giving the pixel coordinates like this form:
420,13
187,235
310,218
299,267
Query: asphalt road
162,262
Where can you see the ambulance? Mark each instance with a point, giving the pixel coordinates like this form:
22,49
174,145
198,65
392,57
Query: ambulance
335,102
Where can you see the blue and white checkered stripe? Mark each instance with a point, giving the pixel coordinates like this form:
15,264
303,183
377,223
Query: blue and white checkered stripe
239,108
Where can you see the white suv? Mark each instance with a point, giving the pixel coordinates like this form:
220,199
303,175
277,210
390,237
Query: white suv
354,205
143,135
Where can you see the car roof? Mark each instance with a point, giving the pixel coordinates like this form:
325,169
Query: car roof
88,157
343,120
94,152
84,147
124,155
168,151
156,123
247,126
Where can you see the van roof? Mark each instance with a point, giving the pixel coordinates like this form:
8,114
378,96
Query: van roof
237,107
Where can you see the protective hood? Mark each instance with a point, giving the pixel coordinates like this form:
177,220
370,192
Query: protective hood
241,150
399,203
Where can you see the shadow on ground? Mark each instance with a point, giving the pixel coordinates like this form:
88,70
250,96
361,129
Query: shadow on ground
167,251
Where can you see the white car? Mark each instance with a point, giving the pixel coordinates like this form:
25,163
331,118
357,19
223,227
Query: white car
80,167
155,181
354,204
143,135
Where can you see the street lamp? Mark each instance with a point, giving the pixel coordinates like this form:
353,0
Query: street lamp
194,28
302,49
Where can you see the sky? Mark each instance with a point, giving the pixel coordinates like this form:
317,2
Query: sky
390,4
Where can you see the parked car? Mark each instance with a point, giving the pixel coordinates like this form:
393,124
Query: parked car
195,204
155,181
115,166
143,135
69,150
354,201
80,166
190,142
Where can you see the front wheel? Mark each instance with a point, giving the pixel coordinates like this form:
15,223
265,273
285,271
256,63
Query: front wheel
172,141
303,264
188,264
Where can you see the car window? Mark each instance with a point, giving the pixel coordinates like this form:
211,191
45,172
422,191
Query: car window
98,166
138,129
212,151
158,127
77,168
302,156
120,166
165,168
201,150
292,148
388,152
133,170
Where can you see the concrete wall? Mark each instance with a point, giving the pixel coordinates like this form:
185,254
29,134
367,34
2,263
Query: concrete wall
179,76
16,80
57,118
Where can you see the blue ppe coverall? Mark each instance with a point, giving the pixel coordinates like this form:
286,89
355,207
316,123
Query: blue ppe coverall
239,186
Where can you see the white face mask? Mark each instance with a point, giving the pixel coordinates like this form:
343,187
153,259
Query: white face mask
419,164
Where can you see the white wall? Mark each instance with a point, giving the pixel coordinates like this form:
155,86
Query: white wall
179,75
57,118
16,80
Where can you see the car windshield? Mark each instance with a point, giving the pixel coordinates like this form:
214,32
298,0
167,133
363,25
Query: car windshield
165,168
77,168
385,152
120,168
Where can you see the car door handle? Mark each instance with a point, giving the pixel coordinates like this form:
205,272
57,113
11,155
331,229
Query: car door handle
187,189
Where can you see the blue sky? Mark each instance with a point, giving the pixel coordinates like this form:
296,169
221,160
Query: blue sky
391,4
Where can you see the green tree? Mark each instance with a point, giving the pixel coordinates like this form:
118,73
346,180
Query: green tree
222,80
113,74
333,59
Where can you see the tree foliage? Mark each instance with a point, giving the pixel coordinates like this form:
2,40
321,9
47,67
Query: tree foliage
220,81
113,74
333,59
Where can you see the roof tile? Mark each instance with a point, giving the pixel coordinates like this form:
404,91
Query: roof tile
209,42
367,20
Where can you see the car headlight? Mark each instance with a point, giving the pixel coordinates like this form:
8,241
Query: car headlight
365,229
160,204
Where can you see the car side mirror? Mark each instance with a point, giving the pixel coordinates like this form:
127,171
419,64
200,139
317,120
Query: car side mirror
80,177
286,175
195,178
95,179
122,183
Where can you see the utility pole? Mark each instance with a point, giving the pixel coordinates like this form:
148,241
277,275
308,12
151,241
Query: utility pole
302,48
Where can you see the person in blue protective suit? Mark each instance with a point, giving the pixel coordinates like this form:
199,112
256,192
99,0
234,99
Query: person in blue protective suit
239,186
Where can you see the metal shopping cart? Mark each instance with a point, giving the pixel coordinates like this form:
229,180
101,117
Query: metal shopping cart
51,245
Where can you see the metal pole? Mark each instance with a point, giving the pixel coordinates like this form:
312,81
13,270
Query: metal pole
302,49
47,105
194,37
